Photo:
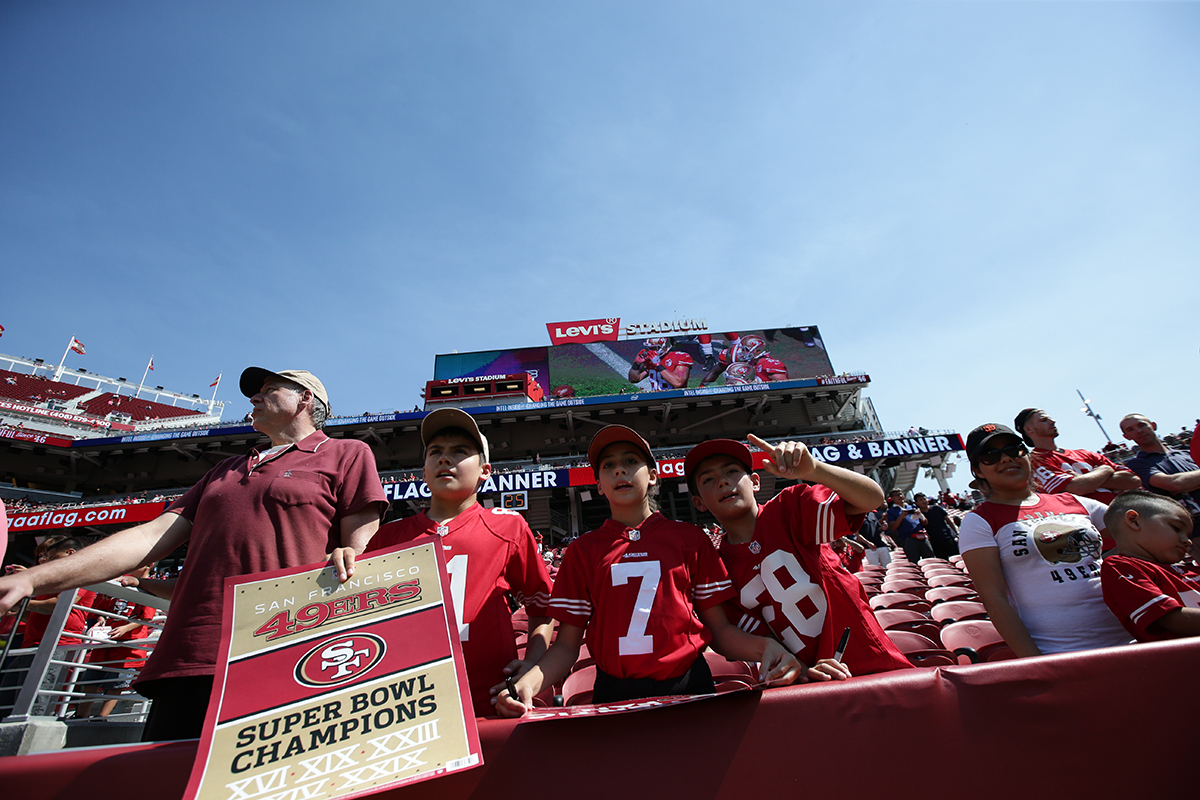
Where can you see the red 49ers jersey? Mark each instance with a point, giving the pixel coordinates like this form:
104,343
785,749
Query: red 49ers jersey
1140,592
635,590
789,579
768,369
489,553
1054,468
674,361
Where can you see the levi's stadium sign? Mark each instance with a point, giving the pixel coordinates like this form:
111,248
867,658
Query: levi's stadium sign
671,327
584,331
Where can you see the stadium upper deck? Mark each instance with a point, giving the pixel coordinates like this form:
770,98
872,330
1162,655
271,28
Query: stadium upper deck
37,398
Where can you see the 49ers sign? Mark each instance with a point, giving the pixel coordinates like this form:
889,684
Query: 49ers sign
583,331
328,690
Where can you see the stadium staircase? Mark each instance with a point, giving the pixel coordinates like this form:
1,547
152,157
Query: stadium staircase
906,479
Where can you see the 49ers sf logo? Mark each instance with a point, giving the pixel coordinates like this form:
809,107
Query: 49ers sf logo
340,659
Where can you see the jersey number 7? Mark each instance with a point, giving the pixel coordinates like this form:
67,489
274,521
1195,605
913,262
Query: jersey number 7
636,641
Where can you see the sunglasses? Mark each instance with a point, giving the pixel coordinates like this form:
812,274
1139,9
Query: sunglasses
993,455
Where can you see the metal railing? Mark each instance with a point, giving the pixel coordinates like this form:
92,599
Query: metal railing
73,680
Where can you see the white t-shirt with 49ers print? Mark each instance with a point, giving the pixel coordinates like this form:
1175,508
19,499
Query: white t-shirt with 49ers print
1050,554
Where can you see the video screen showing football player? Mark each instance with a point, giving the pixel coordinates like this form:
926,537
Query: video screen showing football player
744,359
661,366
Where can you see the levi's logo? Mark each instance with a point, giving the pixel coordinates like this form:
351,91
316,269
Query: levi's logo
583,331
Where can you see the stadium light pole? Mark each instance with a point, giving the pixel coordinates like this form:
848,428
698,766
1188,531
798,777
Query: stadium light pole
1087,409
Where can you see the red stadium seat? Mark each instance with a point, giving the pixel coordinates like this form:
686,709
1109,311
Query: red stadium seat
886,616
900,600
577,688
957,611
138,408
941,594
911,587
950,580
928,628
921,651
28,389
931,573
977,640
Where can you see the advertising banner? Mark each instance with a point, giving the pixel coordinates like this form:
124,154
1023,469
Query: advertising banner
587,330
328,690
37,437
592,367
83,517
886,448
6,405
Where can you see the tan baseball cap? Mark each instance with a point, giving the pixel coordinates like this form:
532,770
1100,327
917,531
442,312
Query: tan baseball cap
253,378
453,418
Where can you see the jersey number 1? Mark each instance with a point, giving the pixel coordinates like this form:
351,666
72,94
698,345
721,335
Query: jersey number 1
636,641
457,568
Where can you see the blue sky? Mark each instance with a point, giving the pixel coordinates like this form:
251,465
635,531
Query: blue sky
983,205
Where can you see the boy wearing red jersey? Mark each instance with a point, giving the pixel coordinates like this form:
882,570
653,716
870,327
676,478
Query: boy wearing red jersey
789,580
647,591
490,553
1153,594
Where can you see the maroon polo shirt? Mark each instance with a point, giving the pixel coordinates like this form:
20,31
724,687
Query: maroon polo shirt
251,516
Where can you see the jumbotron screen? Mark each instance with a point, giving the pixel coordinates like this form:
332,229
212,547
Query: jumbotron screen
653,363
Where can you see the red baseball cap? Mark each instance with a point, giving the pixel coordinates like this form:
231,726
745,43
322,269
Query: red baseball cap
715,447
617,433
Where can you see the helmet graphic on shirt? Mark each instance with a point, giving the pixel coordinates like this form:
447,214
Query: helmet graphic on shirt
1064,543
739,373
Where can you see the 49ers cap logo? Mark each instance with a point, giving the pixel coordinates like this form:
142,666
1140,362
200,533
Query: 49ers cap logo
340,659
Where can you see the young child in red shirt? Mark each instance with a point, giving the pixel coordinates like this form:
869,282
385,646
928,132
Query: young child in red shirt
789,580
490,553
646,591
1153,595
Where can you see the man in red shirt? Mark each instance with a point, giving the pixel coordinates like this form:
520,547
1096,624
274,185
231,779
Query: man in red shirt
1079,472
304,499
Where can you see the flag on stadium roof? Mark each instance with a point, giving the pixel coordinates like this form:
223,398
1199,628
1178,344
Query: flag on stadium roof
77,346
218,380
150,366
1,330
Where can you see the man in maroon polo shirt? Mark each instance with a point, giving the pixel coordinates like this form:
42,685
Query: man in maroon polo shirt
304,499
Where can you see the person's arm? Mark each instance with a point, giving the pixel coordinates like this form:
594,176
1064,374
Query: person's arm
356,530
983,565
863,542
108,558
1123,481
159,587
676,378
778,667
793,461
1180,482
550,669
1180,622
1098,478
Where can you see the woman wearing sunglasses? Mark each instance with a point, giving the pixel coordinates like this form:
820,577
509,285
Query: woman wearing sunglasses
1034,558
